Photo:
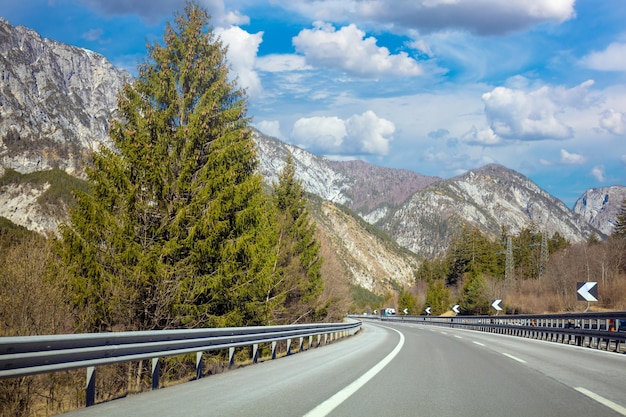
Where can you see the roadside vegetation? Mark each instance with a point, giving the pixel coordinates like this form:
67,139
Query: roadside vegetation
173,228
531,272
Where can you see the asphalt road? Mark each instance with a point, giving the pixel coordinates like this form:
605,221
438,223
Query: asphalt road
403,370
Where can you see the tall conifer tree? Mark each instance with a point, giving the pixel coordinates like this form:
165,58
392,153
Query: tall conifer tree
176,229
299,261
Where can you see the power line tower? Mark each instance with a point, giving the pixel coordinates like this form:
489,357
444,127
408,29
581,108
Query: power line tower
544,253
508,267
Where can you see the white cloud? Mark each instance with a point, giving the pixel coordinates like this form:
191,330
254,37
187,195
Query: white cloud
545,162
613,121
270,128
598,173
364,134
422,46
242,51
347,49
319,133
613,58
484,137
572,158
281,63
370,132
482,17
517,114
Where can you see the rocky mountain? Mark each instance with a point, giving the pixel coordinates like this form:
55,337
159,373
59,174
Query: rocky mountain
19,203
55,101
489,197
54,109
600,206
369,190
360,255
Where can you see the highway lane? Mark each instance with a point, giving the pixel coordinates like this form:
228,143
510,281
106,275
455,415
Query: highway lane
403,370
465,373
290,386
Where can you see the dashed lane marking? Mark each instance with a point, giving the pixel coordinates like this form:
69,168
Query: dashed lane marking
613,406
514,358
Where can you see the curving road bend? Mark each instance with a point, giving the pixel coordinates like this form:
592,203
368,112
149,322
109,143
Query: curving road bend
403,370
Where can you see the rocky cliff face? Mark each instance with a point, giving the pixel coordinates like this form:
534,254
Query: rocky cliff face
489,198
55,101
368,260
600,206
369,190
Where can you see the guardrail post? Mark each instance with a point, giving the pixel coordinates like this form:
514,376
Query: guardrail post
231,357
319,338
156,373
301,346
255,353
288,347
310,342
325,339
90,387
274,349
198,365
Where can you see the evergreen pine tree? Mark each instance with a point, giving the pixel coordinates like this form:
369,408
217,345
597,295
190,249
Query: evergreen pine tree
299,260
176,229
438,297
473,297
407,301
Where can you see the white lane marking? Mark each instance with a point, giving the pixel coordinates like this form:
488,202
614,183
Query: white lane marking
458,337
333,402
514,358
443,333
613,406
478,343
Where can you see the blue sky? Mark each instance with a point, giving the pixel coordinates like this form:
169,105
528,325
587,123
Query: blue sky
435,86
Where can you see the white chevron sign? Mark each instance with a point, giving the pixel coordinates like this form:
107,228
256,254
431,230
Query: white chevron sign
587,291
497,304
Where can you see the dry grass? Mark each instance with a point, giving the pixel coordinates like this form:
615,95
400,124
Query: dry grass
555,291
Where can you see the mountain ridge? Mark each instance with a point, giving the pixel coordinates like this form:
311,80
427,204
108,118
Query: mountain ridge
56,101
76,89
489,197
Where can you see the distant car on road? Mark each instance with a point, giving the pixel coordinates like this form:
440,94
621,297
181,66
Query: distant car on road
389,312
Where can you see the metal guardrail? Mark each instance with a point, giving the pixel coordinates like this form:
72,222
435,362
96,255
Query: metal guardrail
606,330
29,355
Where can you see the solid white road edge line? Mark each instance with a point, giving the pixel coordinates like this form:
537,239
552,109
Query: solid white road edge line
514,358
613,406
333,402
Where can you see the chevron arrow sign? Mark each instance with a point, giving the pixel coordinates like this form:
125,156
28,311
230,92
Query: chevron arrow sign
456,309
587,291
497,304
